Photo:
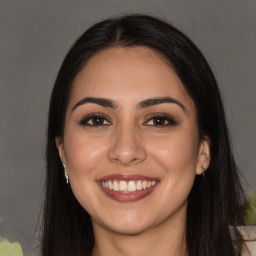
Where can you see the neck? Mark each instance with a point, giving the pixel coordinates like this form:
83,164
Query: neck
165,239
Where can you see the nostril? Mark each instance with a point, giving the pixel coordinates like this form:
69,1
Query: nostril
125,160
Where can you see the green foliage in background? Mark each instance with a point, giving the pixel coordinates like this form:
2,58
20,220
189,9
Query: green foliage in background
10,249
250,217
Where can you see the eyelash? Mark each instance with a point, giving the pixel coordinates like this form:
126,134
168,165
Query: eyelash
153,117
162,117
94,116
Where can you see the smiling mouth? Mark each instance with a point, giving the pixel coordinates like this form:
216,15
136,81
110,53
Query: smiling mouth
127,188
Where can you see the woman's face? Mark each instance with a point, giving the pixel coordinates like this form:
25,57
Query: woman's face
131,145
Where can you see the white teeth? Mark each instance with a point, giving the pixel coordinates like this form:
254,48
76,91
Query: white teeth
130,186
139,185
149,184
144,184
115,186
110,186
123,186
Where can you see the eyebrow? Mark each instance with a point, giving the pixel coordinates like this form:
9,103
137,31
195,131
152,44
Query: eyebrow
100,101
156,101
107,103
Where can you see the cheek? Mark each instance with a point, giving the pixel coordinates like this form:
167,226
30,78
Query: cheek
177,152
83,153
176,156
83,156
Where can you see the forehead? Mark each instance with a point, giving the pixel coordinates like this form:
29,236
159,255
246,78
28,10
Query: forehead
128,75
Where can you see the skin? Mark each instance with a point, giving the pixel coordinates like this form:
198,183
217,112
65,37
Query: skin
128,141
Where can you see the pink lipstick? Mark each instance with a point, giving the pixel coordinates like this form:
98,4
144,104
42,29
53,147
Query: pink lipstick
127,188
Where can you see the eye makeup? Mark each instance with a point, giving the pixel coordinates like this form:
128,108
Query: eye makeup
157,120
160,120
95,120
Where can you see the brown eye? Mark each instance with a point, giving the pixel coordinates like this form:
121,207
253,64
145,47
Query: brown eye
160,121
95,120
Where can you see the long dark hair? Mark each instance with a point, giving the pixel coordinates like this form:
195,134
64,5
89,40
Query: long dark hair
216,202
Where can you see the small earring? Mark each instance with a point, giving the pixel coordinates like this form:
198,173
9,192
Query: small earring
65,173
203,170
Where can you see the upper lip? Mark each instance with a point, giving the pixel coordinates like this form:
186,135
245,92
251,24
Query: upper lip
126,177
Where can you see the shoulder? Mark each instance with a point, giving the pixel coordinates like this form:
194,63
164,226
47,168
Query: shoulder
249,236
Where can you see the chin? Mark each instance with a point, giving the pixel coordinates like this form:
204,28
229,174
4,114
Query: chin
132,223
129,228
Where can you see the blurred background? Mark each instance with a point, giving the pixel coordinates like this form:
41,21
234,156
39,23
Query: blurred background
36,35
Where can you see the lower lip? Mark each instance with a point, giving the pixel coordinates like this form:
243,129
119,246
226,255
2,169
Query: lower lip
129,196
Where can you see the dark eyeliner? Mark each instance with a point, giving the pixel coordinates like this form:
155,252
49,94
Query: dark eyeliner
84,121
169,119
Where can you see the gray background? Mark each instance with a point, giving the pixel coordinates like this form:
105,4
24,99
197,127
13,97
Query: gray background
35,36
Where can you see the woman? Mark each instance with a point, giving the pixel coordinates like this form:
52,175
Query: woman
138,155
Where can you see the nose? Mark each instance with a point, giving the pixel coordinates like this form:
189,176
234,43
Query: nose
127,147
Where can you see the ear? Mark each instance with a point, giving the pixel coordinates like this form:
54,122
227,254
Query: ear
59,145
204,155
